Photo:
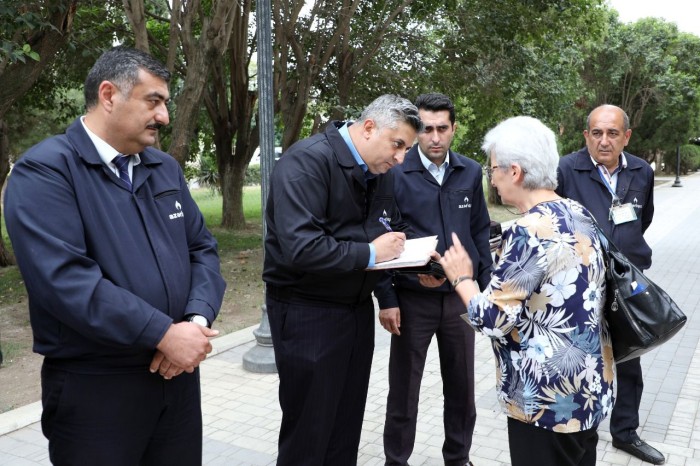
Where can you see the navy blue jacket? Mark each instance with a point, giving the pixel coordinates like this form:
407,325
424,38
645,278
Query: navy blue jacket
580,180
107,271
321,215
458,205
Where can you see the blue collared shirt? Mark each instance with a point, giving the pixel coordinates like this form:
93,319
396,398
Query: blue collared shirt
343,130
611,178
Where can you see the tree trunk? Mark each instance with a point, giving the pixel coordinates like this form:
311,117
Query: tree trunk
204,32
230,106
18,77
231,179
232,182
135,11
293,116
187,108
6,257
200,53
316,50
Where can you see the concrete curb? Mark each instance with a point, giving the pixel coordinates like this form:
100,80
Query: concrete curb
31,413
20,417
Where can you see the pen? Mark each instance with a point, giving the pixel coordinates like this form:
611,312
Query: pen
385,222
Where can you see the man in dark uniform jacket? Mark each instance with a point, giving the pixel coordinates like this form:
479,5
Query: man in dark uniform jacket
618,189
328,214
122,276
438,192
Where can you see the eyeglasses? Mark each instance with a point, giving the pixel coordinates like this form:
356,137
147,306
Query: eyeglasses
489,171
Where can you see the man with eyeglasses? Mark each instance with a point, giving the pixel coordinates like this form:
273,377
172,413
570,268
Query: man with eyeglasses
618,189
438,192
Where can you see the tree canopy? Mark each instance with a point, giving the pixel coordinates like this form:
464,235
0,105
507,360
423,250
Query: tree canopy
554,60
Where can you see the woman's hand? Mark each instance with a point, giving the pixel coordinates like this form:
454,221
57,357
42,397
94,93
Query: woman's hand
458,265
456,261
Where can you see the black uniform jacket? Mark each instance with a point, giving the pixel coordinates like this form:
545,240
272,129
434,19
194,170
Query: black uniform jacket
107,270
580,180
321,216
457,206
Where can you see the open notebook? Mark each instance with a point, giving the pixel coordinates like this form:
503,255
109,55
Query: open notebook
416,253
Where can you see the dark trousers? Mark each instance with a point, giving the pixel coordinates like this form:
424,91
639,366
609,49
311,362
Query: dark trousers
624,419
531,445
424,314
121,419
324,354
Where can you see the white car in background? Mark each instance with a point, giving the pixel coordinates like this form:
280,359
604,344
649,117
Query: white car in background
255,160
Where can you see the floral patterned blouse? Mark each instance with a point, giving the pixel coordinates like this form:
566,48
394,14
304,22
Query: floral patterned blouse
543,311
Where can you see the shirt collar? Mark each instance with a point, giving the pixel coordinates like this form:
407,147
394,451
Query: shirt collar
343,130
104,150
623,162
427,163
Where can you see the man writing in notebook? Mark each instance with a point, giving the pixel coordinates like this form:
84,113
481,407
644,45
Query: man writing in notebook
331,203
438,192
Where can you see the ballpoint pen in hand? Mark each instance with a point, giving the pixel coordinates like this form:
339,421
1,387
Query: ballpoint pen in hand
385,222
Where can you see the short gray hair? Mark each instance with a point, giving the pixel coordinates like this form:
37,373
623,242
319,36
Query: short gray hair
388,110
529,143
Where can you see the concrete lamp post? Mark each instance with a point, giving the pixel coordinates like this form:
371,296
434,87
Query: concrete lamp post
677,182
261,357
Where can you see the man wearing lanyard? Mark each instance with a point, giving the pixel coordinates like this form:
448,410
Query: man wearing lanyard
618,189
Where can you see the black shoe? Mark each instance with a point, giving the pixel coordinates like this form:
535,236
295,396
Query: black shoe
642,450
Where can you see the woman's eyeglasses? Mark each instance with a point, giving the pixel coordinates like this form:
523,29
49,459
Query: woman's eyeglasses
489,171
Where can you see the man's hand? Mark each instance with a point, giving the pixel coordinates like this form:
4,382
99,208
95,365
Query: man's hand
391,320
430,281
186,345
164,366
388,246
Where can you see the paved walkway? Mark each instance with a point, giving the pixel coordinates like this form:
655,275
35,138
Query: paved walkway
242,416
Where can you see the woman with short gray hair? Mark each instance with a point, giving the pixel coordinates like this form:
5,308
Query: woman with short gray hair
543,309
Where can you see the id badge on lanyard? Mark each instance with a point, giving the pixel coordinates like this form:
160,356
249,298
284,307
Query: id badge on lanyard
619,212
622,213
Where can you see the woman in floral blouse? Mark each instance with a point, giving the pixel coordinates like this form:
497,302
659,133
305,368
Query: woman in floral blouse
543,306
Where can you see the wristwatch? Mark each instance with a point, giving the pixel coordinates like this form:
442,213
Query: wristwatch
460,279
198,319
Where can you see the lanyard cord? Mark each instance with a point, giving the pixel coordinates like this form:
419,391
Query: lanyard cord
603,172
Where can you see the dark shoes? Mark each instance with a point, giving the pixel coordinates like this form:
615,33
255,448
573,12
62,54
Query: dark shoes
642,450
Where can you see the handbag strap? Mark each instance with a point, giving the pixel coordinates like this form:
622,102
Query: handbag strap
605,240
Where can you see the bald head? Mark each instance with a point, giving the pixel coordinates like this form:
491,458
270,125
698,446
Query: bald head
607,134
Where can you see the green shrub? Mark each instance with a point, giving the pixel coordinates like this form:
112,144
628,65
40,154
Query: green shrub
690,159
252,175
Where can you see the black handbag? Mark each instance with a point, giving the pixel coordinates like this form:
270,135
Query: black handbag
640,315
